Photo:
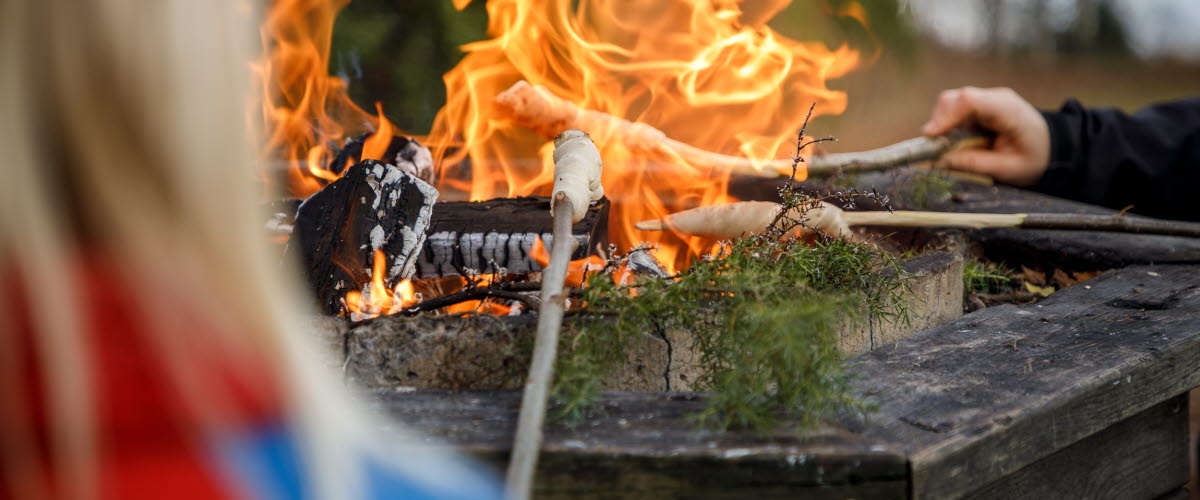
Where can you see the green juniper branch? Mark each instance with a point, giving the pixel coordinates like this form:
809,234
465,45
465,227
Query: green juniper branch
765,313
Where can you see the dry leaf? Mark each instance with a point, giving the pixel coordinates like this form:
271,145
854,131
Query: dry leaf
1030,276
1043,291
1063,279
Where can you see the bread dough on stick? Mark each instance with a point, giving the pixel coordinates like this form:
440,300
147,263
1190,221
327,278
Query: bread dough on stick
577,169
535,108
743,218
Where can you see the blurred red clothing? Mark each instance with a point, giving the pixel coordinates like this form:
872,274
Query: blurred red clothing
149,441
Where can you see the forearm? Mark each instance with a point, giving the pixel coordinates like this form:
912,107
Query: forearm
1150,160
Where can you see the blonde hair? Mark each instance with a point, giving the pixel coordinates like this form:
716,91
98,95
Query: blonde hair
125,130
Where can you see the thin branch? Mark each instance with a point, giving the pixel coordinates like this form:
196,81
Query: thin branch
507,290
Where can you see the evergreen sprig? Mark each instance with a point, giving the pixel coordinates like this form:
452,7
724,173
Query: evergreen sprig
765,313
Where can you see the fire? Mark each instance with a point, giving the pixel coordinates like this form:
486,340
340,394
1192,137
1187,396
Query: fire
306,112
577,270
376,298
708,73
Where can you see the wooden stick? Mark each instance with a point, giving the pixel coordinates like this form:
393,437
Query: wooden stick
528,440
737,219
577,183
1080,222
1114,223
896,155
535,108
903,218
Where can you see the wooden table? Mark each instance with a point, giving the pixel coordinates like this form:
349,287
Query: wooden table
1082,395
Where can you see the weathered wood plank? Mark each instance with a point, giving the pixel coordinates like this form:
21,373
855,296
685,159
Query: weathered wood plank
983,396
642,445
969,403
1144,456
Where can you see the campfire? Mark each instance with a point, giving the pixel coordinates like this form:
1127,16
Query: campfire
630,75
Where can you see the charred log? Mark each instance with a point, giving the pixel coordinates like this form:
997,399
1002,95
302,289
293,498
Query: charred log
484,236
404,152
374,206
497,236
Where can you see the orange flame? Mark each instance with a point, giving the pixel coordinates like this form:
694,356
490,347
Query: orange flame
577,270
306,112
376,298
377,144
707,73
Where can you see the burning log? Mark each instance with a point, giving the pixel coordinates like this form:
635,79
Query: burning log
497,236
535,108
373,208
493,236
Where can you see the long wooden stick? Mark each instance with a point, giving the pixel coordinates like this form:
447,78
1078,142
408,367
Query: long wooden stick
1082,222
733,220
535,108
528,440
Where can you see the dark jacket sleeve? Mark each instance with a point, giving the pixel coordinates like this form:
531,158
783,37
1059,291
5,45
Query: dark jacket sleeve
1150,159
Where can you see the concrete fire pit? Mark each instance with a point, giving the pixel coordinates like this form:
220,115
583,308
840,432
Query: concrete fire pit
486,352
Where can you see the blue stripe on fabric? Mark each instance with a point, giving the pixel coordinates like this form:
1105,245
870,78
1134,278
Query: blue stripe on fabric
268,465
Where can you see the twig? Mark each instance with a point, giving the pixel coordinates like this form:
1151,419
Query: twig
535,108
528,440
501,290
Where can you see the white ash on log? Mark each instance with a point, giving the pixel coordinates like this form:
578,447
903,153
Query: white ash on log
493,236
404,152
643,263
497,236
374,206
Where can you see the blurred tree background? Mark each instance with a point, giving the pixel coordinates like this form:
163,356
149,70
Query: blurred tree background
1124,53
396,51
